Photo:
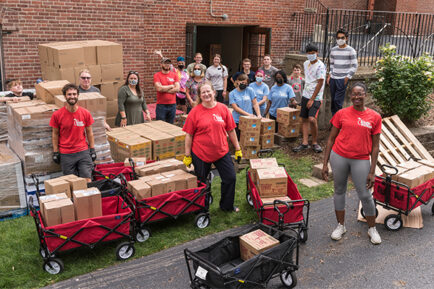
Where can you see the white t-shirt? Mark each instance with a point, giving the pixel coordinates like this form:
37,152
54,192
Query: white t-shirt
216,76
312,73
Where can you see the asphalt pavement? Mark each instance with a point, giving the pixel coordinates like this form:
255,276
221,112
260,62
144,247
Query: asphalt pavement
405,259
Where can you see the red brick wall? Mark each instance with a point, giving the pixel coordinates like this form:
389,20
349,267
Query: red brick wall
347,4
141,27
421,6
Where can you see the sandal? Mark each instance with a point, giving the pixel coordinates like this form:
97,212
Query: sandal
300,148
317,148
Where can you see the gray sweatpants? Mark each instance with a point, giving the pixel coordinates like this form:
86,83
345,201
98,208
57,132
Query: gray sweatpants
359,170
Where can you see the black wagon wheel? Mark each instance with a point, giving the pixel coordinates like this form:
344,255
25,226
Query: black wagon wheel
202,220
303,235
53,266
363,213
289,279
143,234
432,209
249,199
125,250
393,222
210,199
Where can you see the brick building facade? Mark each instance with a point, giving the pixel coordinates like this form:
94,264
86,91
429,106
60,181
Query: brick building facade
142,27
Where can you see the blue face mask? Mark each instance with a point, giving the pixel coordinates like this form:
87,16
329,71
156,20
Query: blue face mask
259,79
133,82
311,57
197,72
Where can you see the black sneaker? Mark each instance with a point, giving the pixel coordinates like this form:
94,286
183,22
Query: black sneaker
317,148
300,148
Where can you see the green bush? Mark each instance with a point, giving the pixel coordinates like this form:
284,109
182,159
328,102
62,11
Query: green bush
403,84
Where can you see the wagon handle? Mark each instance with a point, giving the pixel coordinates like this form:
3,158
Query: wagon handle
385,166
36,181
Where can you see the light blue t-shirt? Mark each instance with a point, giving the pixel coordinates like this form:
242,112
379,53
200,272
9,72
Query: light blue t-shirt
260,91
279,97
243,99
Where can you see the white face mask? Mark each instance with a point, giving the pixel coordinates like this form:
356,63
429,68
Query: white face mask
311,57
340,42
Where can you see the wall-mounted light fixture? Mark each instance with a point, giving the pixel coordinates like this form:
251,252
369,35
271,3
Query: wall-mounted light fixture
223,16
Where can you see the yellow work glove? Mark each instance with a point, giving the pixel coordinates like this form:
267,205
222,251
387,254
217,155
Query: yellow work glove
187,161
238,155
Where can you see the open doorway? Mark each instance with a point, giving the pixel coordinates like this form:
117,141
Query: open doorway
233,43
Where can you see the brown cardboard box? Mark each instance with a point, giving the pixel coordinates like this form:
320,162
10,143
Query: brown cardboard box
158,187
95,72
270,201
250,152
111,121
288,115
28,115
254,243
57,186
256,164
191,181
272,182
112,72
47,90
292,130
76,183
90,55
68,55
409,165
87,203
58,212
108,52
133,146
417,176
110,89
50,198
267,141
11,99
112,108
248,138
426,163
137,162
65,74
268,126
249,123
140,189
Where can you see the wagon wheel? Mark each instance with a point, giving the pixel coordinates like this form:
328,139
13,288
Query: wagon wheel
249,199
393,222
43,253
363,213
202,220
53,266
143,234
124,251
210,200
303,235
432,209
288,278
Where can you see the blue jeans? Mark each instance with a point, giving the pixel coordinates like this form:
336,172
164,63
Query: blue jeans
337,92
166,112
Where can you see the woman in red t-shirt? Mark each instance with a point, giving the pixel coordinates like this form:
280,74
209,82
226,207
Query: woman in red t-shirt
207,127
353,147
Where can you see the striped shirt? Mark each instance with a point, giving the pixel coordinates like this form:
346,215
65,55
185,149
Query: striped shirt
343,62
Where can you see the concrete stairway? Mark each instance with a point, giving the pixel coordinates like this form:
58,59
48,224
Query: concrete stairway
426,136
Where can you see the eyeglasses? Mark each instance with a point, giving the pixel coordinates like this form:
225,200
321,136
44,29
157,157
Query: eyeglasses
133,72
358,94
85,77
343,37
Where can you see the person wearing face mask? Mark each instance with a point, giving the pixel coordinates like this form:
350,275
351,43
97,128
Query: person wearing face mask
197,60
261,90
183,77
166,83
281,95
243,100
343,65
197,76
71,126
314,73
131,102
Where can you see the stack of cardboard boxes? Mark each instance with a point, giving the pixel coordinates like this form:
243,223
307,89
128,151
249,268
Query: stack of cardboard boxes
4,114
104,60
12,194
56,206
268,128
289,121
250,128
161,177
414,173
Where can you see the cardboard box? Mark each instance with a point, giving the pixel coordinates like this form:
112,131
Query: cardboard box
137,162
95,72
254,243
292,130
57,186
417,176
112,72
68,55
426,163
140,189
268,126
288,115
249,123
112,108
272,182
76,183
11,99
250,152
409,165
108,52
50,198
250,138
110,89
256,164
267,141
65,74
47,90
31,115
58,212
87,203
133,146
161,186
89,48
271,201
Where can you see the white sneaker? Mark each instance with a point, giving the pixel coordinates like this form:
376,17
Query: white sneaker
375,237
338,232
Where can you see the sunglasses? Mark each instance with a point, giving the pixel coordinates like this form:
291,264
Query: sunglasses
133,72
85,77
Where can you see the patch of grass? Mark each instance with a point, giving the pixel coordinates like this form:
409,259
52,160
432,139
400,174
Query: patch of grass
21,265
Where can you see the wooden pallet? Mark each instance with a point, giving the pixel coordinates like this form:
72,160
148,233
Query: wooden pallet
398,144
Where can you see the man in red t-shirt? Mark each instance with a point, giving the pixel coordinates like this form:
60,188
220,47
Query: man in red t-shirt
71,124
166,82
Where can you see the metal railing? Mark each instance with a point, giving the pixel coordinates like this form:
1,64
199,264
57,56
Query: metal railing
411,33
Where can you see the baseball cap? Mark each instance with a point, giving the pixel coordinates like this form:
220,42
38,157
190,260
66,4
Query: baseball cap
165,59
